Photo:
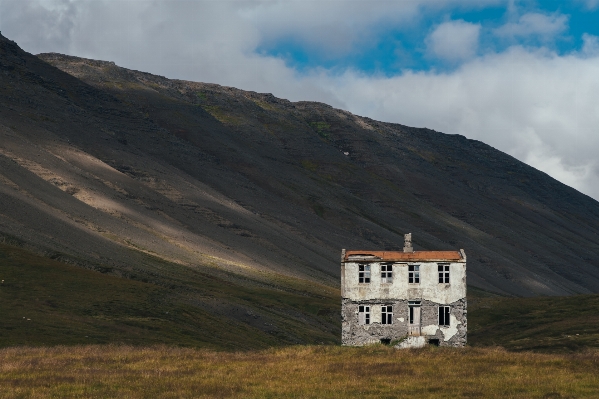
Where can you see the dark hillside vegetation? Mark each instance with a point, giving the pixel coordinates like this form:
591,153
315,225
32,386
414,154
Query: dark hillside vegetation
46,302
541,324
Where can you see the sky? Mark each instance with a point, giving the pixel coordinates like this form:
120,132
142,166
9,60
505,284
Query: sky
521,76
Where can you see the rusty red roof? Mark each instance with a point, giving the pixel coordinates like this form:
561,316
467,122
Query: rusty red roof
407,256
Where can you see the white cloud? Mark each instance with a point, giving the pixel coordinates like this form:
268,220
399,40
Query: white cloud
338,26
44,22
454,40
335,26
590,45
590,4
534,24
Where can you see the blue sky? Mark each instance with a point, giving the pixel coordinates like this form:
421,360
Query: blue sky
522,76
397,47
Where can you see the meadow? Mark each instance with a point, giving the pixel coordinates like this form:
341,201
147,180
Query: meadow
108,371
67,332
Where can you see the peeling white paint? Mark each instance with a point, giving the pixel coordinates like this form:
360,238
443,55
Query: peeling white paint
413,342
452,330
428,288
429,330
428,295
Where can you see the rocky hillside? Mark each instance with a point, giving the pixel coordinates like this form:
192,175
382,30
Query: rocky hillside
121,171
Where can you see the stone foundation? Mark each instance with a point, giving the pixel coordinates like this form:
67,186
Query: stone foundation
354,334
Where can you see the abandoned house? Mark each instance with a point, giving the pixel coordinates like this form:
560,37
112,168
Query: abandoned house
409,299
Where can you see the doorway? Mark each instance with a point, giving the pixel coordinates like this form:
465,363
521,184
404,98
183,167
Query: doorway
414,318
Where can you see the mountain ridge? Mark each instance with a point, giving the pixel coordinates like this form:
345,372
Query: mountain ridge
195,173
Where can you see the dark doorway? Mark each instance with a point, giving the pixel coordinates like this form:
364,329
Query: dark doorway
386,341
434,342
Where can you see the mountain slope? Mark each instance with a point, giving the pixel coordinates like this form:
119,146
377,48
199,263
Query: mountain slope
119,169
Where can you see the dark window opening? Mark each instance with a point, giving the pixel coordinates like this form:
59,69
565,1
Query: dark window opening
364,314
444,315
434,342
387,274
387,314
364,274
386,341
443,274
414,274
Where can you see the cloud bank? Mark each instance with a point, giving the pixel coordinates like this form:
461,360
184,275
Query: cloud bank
454,40
537,105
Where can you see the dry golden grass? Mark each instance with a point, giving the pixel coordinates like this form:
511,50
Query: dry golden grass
294,372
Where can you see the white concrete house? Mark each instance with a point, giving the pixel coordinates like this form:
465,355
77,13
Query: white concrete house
409,298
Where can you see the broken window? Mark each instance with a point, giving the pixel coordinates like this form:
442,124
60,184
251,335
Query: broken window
444,316
414,274
364,274
387,314
443,274
387,274
364,314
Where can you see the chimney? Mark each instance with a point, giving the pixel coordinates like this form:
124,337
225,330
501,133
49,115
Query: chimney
407,246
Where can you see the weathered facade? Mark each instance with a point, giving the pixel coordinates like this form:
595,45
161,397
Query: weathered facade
409,298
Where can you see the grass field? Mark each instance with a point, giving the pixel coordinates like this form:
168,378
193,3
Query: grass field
294,372
134,339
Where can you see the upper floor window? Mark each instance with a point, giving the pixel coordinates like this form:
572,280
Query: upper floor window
386,274
387,314
444,316
364,274
443,274
364,314
414,274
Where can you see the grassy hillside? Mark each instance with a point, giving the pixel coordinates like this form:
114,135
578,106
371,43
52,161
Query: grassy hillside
543,324
294,372
45,302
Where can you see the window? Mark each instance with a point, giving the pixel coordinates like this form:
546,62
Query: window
443,274
387,274
364,274
444,316
364,315
387,314
414,274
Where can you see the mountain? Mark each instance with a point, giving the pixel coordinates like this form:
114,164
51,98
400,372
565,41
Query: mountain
129,173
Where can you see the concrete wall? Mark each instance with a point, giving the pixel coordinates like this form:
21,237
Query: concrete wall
431,294
429,287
